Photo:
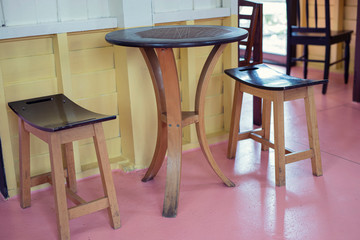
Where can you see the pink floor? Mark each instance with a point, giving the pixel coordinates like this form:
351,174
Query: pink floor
309,207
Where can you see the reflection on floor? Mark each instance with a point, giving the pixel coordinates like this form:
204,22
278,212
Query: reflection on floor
308,207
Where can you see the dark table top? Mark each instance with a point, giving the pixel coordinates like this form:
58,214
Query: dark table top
176,36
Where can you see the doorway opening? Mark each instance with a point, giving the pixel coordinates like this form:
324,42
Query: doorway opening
274,31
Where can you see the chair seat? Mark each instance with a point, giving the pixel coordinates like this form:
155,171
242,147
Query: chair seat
319,38
263,77
55,112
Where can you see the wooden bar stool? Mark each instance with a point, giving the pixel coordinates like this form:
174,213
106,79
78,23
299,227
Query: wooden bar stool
262,81
58,121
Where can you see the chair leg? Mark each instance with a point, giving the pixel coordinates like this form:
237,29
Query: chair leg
70,166
257,119
279,138
288,58
266,118
306,58
24,164
106,175
326,67
311,119
57,178
347,60
235,121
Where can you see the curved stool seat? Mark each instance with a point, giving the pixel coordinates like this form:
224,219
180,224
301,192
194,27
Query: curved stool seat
54,113
272,86
263,77
58,121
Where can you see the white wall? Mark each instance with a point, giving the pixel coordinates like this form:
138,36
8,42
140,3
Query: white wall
160,6
37,17
1,15
23,12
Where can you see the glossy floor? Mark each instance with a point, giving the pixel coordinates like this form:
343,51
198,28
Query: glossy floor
309,207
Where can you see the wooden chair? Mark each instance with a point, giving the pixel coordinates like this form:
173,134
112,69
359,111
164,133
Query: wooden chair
263,82
305,28
58,121
250,17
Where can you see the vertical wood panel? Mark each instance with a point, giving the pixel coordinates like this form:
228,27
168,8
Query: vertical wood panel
7,147
62,63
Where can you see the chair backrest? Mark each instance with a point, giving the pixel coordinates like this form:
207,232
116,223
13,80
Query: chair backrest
250,18
308,16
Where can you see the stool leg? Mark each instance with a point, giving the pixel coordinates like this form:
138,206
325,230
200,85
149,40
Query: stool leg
58,182
279,138
311,119
235,121
266,117
70,166
24,164
106,175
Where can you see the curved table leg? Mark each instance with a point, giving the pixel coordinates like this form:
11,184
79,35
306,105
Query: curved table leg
200,108
161,141
174,129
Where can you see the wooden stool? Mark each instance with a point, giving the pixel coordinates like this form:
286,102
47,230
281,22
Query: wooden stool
58,121
261,81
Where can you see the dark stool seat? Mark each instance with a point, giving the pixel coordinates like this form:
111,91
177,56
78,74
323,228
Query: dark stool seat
54,113
58,121
274,87
262,77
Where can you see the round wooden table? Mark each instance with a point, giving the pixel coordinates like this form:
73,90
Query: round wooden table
156,45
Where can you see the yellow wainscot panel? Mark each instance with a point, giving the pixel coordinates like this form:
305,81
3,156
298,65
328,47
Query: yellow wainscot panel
215,85
28,68
214,124
111,130
37,146
105,104
31,89
200,61
219,66
88,156
40,164
142,107
13,123
114,147
25,48
92,39
217,21
94,83
203,51
214,105
176,53
91,60
15,147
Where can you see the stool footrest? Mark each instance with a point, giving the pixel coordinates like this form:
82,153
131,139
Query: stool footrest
297,156
40,179
246,135
266,142
74,197
290,157
88,207
43,178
